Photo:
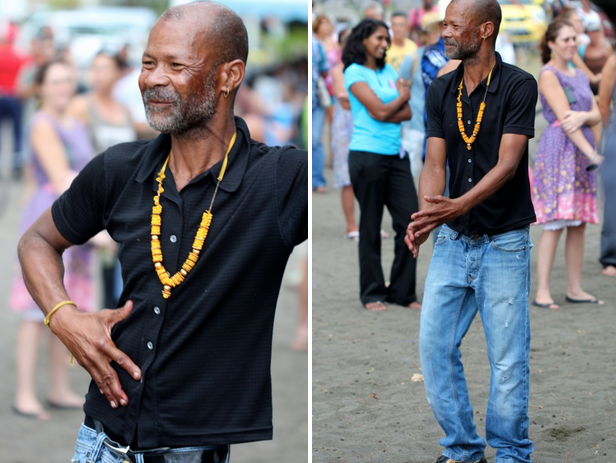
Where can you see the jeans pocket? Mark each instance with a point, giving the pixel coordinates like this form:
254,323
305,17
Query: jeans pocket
514,241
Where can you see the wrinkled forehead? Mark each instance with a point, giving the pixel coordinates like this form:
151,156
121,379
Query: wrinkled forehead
187,36
459,12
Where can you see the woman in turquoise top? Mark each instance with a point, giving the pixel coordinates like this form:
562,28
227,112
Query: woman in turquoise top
378,166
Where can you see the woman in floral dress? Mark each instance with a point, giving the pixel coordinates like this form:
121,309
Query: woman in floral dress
565,181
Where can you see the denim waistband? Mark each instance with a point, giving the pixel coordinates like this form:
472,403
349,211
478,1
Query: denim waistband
202,454
478,238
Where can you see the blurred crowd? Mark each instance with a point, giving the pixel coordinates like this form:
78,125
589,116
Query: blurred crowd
576,98
60,116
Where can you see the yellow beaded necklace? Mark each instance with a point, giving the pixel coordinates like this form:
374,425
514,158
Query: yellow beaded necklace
482,107
193,256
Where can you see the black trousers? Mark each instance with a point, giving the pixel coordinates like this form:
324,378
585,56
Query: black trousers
380,181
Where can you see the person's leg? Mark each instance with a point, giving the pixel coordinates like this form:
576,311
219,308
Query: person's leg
574,256
401,201
60,394
348,207
448,310
26,356
16,116
502,288
546,250
301,333
368,180
318,154
608,223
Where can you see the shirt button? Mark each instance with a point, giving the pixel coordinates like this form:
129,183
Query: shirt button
157,310
468,122
469,161
150,345
173,238
470,180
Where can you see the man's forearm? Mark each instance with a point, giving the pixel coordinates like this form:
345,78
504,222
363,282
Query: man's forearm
43,270
432,182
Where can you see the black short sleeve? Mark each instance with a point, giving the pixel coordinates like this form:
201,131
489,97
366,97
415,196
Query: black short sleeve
434,111
292,191
78,213
520,112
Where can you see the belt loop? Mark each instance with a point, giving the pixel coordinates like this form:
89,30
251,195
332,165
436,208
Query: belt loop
97,450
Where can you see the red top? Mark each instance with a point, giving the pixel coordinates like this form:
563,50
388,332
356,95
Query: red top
11,62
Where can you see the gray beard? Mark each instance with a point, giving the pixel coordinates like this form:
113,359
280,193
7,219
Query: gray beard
195,111
465,52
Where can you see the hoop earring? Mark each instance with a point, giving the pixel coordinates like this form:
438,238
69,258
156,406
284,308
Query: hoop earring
226,93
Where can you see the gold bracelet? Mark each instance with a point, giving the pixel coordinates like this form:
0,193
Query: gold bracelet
60,305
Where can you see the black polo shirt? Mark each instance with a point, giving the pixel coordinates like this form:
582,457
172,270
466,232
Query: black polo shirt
205,352
510,108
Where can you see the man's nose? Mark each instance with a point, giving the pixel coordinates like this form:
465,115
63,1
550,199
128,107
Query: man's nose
156,77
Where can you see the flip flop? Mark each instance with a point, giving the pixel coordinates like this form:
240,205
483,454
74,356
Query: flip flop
59,406
353,235
583,301
547,305
41,416
375,306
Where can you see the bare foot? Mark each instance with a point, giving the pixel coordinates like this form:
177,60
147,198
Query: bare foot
377,306
415,305
609,271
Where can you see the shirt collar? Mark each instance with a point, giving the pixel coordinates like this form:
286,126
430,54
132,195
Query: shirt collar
496,73
156,151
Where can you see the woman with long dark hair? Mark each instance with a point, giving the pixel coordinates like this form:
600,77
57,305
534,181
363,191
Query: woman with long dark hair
565,183
379,168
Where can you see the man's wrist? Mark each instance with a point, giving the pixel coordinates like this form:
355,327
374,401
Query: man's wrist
57,319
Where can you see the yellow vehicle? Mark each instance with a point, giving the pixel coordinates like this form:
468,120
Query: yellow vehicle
524,20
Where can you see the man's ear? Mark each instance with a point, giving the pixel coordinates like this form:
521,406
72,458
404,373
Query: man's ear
487,30
231,76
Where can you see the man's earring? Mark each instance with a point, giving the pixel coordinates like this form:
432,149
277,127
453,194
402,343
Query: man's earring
226,93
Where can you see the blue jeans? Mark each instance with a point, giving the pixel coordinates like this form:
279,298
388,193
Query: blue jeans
489,274
318,153
11,108
90,448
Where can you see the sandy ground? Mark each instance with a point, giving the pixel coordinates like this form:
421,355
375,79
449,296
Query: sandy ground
366,406
24,440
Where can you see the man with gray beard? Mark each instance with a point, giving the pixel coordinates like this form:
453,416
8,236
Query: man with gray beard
205,219
481,258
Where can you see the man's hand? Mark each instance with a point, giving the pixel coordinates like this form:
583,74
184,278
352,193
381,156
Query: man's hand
413,241
88,337
441,210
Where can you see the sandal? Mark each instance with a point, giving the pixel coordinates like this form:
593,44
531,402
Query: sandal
376,306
